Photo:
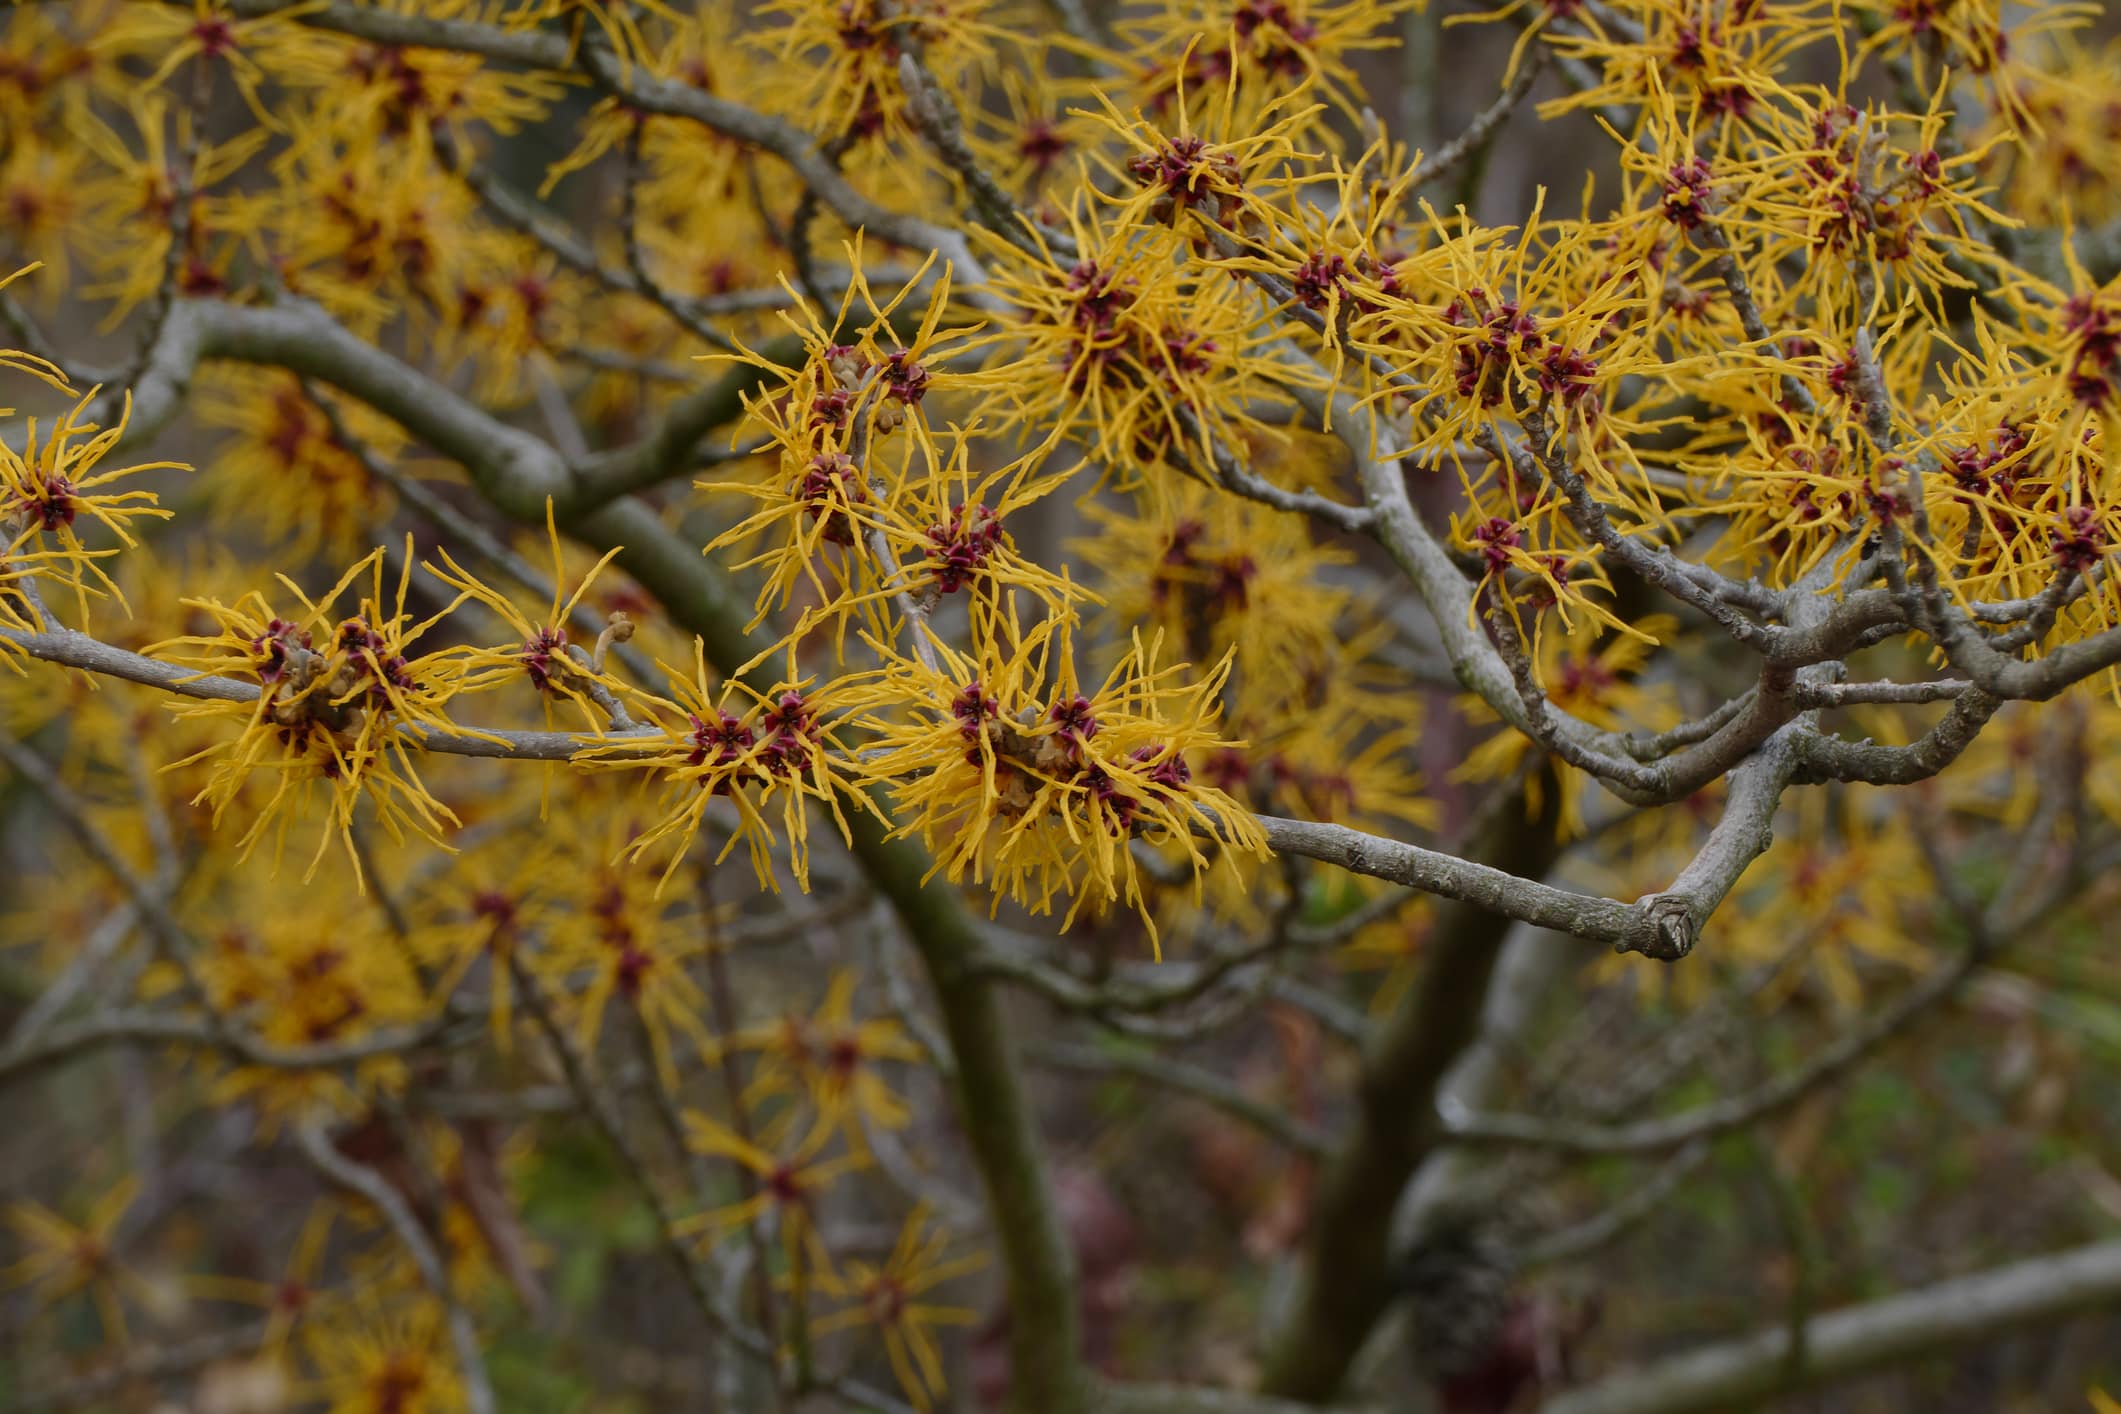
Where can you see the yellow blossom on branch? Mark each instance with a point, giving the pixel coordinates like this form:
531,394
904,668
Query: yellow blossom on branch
782,749
1010,773
340,708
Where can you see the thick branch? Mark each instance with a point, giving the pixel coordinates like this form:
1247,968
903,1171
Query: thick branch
1345,1284
1662,925
1831,758
671,448
1877,1334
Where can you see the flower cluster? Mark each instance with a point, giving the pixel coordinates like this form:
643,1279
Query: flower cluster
337,706
953,457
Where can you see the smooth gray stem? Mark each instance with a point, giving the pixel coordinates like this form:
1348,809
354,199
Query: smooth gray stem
1939,1318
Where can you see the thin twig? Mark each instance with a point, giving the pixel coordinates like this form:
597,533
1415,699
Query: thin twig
412,1236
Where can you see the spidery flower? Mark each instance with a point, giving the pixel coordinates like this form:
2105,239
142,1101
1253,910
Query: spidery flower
216,37
857,458
292,984
637,948
831,1060
1256,51
540,654
130,203
63,1259
1212,169
1129,347
842,57
340,710
387,1349
288,471
493,904
51,491
784,1186
1008,771
1218,575
890,1297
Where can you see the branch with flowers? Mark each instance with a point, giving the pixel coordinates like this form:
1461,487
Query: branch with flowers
1038,489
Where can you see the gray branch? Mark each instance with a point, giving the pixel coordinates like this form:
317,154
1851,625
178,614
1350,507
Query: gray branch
1874,1335
73,649
1736,1111
463,1336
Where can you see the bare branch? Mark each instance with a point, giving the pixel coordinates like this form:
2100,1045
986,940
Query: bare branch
64,1040
143,1363
1602,1229
1180,1078
1949,1315
78,650
463,1336
517,472
1736,1111
1344,1284
1445,160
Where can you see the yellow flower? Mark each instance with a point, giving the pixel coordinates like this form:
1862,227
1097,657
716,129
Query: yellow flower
1393,946
1971,37
1217,170
843,478
636,947
620,21
491,904
1256,51
40,186
290,1298
385,1349
369,228
831,1059
2069,167
1724,61
888,1296
510,311
130,205
379,90
783,747
63,1259
340,710
1118,340
1006,769
1031,139
541,656
291,984
49,489
47,64
216,38
841,57
287,473
1872,190
1845,877
784,1185
1501,332
1218,575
